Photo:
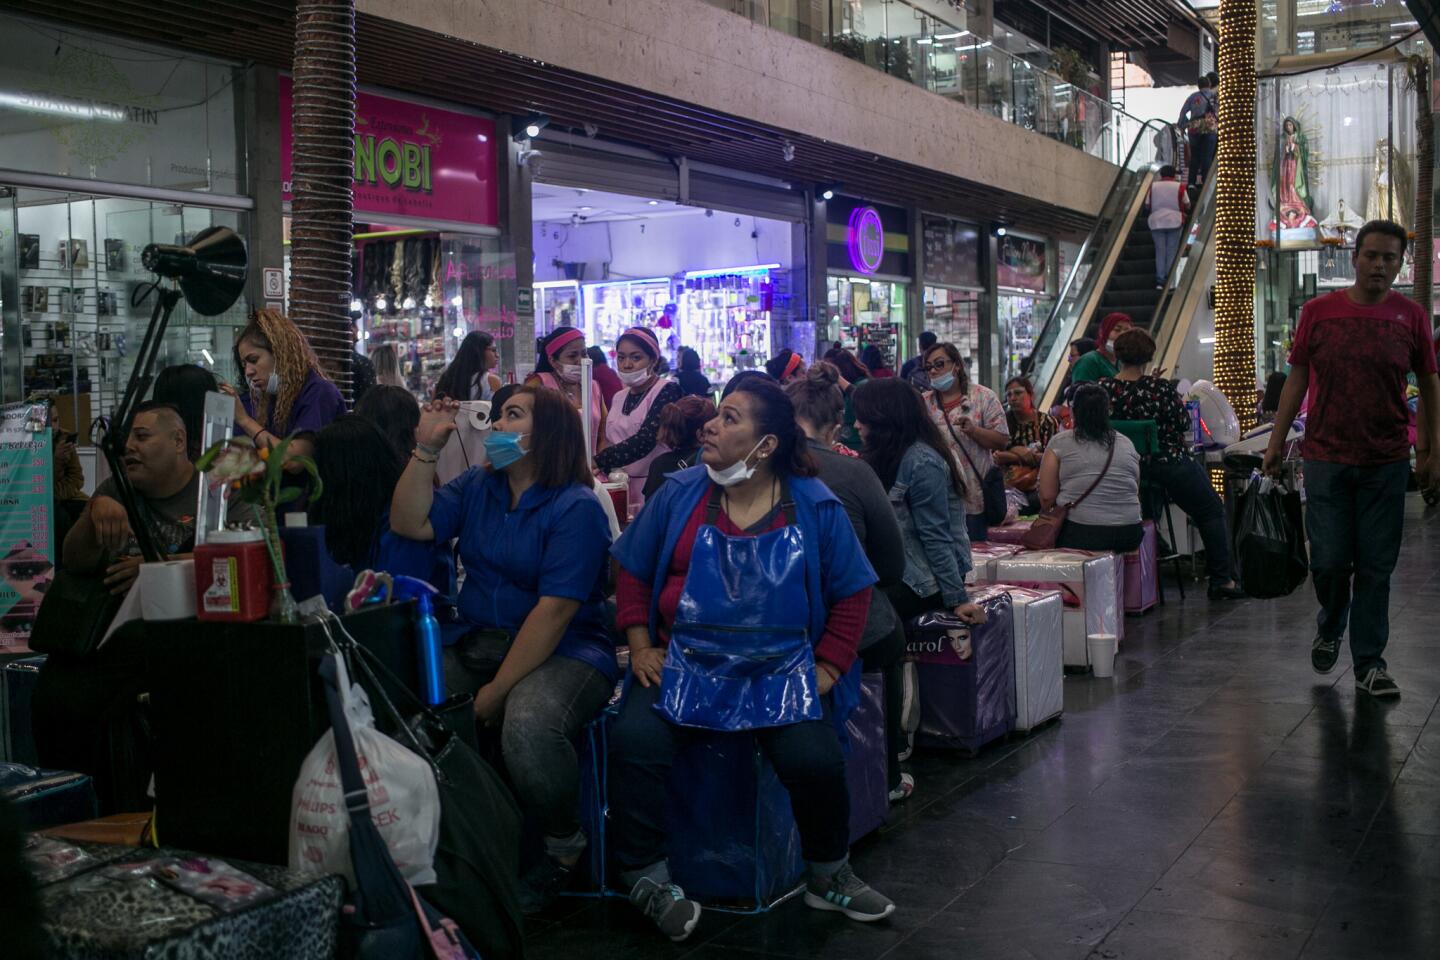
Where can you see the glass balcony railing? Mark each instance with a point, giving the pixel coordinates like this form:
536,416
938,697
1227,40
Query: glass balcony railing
943,56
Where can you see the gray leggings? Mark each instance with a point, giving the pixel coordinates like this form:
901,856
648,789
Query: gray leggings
544,715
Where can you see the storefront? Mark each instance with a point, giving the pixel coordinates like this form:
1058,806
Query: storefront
1023,299
1335,148
868,282
104,149
428,268
953,292
722,272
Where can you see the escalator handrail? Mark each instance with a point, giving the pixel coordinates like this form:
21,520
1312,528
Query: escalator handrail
1150,127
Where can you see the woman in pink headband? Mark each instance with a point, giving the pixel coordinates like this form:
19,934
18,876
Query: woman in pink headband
557,366
632,426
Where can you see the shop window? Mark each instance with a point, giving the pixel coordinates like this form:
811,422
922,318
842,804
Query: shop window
68,274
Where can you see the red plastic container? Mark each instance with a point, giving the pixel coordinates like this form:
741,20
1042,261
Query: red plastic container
233,577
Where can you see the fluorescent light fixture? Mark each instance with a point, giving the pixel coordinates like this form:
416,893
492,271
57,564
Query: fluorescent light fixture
206,354
757,268
70,107
1207,339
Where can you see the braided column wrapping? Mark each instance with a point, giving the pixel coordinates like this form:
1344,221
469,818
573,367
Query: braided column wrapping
322,163
1424,183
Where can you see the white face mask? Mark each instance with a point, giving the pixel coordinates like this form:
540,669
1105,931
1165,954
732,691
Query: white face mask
635,377
737,472
272,386
569,372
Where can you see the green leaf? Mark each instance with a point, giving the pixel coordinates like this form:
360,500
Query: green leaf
287,495
207,459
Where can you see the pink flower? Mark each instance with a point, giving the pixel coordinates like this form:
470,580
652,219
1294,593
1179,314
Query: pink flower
238,461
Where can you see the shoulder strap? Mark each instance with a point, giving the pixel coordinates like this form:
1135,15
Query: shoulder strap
1109,457
787,504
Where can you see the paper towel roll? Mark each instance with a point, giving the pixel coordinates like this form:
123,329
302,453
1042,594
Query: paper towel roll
167,590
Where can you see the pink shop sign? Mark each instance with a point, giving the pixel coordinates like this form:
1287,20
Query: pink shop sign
413,160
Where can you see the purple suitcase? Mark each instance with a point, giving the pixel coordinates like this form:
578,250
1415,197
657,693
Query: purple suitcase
866,770
965,701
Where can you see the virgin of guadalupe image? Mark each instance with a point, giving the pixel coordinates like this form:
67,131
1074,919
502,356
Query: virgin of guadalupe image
1292,177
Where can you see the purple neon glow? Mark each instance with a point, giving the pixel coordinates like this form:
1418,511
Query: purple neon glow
866,239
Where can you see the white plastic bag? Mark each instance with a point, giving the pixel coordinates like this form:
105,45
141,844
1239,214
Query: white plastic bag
404,801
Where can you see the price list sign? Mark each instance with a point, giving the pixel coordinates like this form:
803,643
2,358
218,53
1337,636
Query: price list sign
27,468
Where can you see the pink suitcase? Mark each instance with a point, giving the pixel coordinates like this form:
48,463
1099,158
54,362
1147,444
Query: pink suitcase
1142,574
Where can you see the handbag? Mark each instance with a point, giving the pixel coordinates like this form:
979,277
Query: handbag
1045,529
478,859
992,482
76,612
740,656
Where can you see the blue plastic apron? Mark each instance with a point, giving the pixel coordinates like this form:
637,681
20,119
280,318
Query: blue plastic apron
740,656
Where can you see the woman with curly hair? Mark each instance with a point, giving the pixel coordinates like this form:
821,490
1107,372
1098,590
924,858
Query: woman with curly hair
288,393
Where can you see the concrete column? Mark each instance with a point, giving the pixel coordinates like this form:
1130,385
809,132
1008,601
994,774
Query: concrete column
266,240
517,240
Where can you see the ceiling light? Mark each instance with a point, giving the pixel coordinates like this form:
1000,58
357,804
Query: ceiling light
585,209
1000,230
827,191
208,358
356,306
529,127
653,203
459,330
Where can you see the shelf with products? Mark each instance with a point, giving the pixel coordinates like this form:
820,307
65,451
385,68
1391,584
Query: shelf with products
614,306
725,317
865,312
418,335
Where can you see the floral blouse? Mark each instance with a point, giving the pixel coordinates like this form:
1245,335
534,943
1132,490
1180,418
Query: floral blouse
984,409
1150,398
1040,430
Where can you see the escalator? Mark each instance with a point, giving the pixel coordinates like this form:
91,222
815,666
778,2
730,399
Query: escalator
1115,269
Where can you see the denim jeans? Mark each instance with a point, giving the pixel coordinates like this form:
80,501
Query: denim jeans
806,757
543,717
887,656
1167,244
1355,517
1189,488
1202,155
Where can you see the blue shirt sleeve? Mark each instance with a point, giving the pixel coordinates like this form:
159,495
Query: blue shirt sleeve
638,548
577,543
447,508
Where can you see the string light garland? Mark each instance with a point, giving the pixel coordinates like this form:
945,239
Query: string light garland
1235,211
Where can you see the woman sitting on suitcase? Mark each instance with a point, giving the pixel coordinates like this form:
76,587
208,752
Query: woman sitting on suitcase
534,540
916,466
743,593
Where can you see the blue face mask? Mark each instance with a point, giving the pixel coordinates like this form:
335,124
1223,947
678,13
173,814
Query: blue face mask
503,449
943,382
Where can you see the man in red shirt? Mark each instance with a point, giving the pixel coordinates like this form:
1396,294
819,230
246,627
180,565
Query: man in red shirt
1353,351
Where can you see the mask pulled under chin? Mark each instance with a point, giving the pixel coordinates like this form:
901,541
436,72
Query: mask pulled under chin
272,386
737,472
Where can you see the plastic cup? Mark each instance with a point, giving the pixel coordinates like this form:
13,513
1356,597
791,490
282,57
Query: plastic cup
1101,647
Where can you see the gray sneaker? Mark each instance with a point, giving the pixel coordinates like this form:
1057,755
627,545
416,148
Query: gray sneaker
1323,654
665,903
844,892
1378,683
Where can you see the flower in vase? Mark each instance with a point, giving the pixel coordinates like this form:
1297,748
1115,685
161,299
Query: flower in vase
233,463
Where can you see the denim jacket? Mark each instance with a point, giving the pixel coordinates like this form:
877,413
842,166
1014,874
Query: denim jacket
932,521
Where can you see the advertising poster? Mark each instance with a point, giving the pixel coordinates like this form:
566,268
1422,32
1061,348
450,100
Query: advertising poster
27,468
1021,264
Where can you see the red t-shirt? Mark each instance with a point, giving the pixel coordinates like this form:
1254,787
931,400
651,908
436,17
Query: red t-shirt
1359,357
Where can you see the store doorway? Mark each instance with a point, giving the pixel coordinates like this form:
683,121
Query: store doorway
720,283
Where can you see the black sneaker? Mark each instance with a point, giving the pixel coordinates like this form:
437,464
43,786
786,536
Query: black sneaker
1323,654
1227,593
1378,683
542,884
846,893
665,904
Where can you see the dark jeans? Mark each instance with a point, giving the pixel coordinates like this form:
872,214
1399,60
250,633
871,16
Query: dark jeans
806,757
1355,517
977,528
1202,156
886,656
1189,488
1120,538
544,715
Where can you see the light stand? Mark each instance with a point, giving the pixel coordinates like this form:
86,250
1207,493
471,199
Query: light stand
211,274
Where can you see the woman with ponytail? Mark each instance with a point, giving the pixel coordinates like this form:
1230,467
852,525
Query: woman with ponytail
289,393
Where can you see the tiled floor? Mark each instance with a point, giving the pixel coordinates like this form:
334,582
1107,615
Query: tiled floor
1215,799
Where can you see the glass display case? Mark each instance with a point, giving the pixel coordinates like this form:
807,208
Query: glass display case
69,273
954,317
1019,319
557,305
614,306
1335,148
725,316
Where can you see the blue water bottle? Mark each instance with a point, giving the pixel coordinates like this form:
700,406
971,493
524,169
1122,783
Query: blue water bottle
427,637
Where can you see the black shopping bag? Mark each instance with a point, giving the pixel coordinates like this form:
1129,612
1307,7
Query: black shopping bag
1270,540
